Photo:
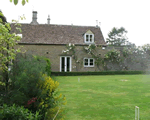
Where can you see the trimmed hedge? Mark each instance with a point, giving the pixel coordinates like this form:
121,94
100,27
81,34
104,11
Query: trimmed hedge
99,73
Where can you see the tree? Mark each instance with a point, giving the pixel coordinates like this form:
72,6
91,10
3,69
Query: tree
146,48
117,37
16,1
7,43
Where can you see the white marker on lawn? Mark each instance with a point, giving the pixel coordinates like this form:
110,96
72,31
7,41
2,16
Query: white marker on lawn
137,113
78,79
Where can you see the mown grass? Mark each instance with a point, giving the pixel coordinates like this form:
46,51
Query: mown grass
106,97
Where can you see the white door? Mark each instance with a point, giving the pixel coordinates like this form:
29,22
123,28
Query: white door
65,64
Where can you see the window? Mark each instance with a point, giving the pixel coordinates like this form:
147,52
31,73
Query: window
89,38
88,62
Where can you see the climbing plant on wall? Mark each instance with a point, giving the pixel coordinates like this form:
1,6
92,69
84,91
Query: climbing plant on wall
91,49
114,57
71,48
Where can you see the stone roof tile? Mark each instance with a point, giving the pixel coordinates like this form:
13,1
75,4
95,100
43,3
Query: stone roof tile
58,34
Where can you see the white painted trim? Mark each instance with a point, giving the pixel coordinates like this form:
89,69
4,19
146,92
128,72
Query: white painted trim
89,38
65,68
70,64
88,62
65,64
60,63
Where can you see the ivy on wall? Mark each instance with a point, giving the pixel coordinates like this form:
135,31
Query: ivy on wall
114,56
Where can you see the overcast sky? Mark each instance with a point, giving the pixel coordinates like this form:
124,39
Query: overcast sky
133,15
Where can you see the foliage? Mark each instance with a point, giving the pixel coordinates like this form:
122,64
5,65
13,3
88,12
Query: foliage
146,48
17,113
24,76
51,103
71,49
32,88
48,66
91,49
7,42
113,56
23,1
48,63
126,52
117,36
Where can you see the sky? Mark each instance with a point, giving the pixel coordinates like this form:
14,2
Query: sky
133,15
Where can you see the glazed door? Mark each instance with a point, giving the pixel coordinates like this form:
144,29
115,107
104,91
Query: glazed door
65,64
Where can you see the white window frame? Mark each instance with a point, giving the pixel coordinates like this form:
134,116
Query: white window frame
66,63
89,38
88,62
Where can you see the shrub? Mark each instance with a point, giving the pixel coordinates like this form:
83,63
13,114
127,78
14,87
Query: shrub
24,76
99,73
17,113
48,64
32,87
50,102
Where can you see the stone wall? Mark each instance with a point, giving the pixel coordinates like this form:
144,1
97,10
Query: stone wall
53,52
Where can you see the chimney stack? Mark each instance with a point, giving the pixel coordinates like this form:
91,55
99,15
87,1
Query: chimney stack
96,23
34,18
48,20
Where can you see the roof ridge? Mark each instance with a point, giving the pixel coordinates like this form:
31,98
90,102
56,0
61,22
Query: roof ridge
58,25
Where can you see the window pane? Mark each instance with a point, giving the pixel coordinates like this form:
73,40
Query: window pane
91,62
62,64
90,38
87,37
68,64
85,61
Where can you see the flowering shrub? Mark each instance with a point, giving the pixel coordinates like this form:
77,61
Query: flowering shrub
113,55
90,49
31,103
70,47
50,102
126,52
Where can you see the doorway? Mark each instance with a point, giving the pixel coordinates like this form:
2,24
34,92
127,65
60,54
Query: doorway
65,64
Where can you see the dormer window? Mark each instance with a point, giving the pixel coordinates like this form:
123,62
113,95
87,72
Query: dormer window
89,37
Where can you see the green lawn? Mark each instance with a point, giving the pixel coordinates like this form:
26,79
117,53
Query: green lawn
106,97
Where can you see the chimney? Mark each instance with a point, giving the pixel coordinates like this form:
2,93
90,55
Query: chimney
34,18
48,20
96,23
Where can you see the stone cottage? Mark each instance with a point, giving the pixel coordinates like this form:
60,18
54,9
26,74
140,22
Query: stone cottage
50,40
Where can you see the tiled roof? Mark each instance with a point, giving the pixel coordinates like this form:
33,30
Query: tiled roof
58,34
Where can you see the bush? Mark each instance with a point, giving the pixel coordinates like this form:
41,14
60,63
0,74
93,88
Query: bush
24,77
50,102
17,113
99,73
32,87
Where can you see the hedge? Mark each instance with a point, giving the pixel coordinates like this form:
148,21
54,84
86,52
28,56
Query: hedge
99,73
